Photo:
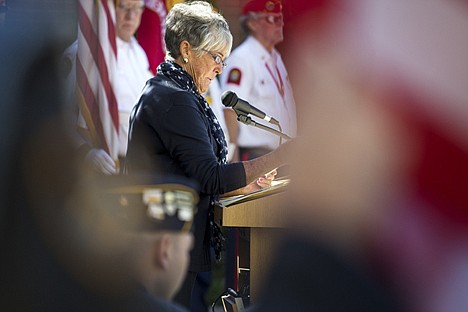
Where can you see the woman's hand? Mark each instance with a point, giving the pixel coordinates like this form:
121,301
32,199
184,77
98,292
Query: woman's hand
265,181
260,183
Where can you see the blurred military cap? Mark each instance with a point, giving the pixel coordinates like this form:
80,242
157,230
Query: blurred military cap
149,203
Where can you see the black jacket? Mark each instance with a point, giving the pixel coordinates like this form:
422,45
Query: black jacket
169,134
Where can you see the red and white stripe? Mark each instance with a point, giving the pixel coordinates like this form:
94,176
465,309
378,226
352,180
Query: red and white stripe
95,66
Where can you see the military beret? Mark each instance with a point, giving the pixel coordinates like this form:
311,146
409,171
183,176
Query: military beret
262,6
148,203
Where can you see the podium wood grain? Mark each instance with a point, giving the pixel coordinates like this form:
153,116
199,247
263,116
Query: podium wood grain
264,217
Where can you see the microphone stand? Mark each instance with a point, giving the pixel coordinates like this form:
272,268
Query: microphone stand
248,121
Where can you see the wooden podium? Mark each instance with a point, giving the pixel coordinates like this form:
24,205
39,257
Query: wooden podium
263,213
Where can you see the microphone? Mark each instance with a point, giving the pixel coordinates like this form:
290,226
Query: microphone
242,107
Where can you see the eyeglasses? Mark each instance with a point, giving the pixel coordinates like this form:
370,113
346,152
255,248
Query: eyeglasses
131,8
218,60
273,19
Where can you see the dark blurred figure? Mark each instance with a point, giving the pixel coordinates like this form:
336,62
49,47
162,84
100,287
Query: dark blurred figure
58,252
38,178
55,18
3,10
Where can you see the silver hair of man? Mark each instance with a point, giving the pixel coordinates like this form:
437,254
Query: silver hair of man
200,25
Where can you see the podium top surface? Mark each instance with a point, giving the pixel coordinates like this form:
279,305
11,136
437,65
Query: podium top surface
277,186
264,208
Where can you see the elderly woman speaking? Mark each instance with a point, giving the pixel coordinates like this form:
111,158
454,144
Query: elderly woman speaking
174,131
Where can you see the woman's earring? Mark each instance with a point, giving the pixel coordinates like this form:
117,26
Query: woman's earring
185,60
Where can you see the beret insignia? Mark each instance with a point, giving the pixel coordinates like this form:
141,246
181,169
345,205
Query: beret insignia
235,76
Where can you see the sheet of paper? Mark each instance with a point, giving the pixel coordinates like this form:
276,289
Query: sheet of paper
277,186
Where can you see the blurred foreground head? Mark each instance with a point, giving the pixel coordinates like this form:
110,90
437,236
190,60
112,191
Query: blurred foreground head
352,149
156,214
61,251
382,96
57,254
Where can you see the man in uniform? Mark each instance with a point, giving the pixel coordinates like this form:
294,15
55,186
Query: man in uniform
128,82
156,218
256,73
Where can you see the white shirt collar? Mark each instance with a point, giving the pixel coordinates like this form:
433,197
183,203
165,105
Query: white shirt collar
262,51
125,44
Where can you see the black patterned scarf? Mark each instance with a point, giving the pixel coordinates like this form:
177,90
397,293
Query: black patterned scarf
177,74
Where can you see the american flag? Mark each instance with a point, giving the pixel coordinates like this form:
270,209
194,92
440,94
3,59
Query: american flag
95,66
